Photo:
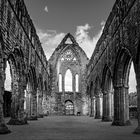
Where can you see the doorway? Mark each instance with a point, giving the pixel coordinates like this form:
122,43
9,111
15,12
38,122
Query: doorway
69,108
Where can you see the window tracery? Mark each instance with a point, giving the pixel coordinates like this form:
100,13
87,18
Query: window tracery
68,56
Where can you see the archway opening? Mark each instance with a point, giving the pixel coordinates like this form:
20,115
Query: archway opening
69,107
121,88
7,92
108,95
92,100
98,99
68,81
132,93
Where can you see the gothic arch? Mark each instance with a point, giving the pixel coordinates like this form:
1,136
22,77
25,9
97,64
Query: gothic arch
33,76
120,82
108,95
98,98
40,82
97,89
121,68
91,89
68,78
3,128
106,78
69,107
69,56
62,47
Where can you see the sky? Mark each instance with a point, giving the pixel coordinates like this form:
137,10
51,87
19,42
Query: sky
84,19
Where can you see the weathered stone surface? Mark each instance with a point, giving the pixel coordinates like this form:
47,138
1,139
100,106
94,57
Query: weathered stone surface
21,48
117,47
68,56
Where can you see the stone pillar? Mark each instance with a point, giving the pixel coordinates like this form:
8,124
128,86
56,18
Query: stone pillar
98,114
33,106
45,104
112,105
74,94
92,113
22,115
28,96
14,104
63,92
30,104
39,104
121,106
107,103
3,128
17,105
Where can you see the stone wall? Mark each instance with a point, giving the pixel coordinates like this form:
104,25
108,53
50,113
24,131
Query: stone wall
110,63
21,48
68,56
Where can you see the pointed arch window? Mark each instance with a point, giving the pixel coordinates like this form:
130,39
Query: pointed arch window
8,78
60,83
77,82
68,80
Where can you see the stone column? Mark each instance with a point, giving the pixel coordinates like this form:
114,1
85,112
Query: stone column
17,105
112,105
22,115
92,113
3,128
15,102
45,104
121,106
98,114
63,92
39,104
34,106
28,103
74,94
107,114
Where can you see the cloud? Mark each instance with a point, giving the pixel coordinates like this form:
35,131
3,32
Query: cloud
86,42
46,9
50,39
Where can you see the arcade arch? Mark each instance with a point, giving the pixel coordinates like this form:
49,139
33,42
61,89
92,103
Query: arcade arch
108,95
121,88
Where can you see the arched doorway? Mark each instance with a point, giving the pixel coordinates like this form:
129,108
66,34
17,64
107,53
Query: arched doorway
69,107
